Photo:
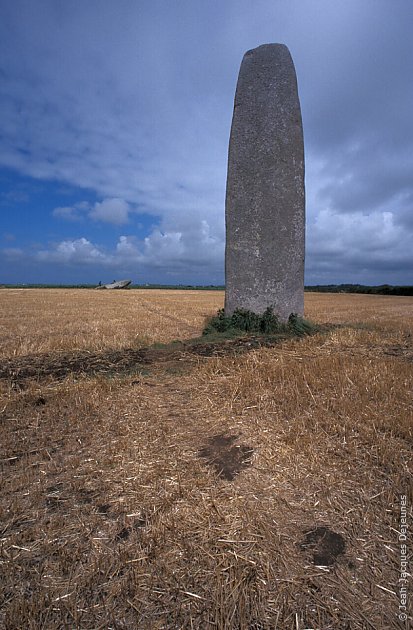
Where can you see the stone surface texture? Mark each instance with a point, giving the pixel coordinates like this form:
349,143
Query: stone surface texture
265,199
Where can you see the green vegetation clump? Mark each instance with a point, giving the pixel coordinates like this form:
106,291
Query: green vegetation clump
245,321
300,326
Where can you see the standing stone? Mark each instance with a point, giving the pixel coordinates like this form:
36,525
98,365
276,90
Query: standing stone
265,200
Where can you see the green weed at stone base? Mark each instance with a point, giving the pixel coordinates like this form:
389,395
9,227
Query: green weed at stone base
245,321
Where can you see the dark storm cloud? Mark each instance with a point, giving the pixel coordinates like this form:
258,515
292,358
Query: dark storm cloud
358,118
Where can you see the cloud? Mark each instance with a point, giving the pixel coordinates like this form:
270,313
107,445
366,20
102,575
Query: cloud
135,106
169,251
114,211
12,252
78,251
14,197
352,246
71,213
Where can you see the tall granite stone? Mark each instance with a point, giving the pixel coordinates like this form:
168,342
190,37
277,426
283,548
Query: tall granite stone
265,200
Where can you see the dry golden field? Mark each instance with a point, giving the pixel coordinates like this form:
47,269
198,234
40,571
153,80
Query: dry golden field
43,320
188,489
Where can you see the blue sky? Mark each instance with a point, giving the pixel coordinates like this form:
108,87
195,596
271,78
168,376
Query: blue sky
115,119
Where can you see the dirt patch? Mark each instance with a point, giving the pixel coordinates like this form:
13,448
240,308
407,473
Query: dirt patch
404,352
174,358
226,458
103,509
59,365
123,534
325,545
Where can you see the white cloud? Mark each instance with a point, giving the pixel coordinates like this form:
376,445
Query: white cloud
70,213
340,248
12,252
114,211
348,247
348,234
169,251
111,210
78,251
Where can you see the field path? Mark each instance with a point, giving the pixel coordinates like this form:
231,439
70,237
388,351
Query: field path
59,365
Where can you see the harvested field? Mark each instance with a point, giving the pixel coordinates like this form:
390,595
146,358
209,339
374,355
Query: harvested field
256,489
44,320
48,320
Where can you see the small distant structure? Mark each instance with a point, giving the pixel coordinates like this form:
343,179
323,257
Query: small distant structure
120,284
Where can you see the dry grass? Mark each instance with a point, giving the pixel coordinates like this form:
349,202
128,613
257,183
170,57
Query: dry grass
112,519
385,311
43,320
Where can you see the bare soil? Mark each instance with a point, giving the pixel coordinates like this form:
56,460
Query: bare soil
228,459
325,545
59,365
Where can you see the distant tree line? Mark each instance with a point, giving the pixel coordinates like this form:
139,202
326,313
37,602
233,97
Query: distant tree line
382,289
